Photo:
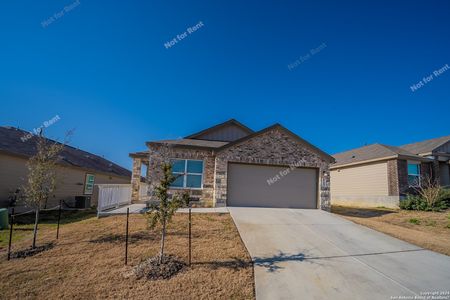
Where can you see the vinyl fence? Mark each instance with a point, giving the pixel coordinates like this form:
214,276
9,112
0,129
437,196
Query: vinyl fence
113,195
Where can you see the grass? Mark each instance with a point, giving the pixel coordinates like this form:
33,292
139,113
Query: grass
23,224
87,261
427,229
414,221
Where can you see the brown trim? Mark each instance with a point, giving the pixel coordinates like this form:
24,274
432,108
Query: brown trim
207,130
279,126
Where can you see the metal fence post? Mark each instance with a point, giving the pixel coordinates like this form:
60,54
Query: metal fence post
190,236
10,233
126,238
59,219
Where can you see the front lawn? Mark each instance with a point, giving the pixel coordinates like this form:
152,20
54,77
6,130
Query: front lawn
23,224
430,230
88,261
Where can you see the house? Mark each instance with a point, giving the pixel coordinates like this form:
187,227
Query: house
381,175
229,164
77,170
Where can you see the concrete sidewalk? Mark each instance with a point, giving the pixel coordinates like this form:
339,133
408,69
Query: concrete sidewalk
142,208
312,254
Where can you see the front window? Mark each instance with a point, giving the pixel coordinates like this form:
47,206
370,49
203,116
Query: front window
188,173
413,174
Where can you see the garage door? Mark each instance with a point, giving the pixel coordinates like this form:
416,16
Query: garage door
248,186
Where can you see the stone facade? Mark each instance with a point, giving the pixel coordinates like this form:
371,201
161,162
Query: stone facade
201,197
275,147
136,178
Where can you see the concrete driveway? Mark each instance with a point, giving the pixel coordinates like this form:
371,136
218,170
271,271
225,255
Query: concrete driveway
312,254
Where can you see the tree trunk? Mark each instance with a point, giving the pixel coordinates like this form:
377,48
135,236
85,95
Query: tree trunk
163,237
36,221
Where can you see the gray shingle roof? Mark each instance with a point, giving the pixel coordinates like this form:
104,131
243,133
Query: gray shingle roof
426,146
191,143
370,152
11,142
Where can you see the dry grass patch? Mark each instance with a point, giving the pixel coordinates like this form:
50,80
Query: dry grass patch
430,230
88,262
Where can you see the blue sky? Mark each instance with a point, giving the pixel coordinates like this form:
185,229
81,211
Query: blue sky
103,69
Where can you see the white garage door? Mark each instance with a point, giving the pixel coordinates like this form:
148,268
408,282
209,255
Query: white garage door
248,186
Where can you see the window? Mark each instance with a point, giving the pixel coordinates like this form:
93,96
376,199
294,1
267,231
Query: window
188,173
413,174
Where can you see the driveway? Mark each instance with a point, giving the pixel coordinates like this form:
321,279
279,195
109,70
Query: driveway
313,254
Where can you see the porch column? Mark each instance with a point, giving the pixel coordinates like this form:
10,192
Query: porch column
136,179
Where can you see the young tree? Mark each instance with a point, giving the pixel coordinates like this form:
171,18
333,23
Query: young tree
41,176
163,212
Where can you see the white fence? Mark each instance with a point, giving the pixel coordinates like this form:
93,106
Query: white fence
115,195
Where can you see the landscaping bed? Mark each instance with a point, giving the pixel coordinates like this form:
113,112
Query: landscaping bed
427,229
87,262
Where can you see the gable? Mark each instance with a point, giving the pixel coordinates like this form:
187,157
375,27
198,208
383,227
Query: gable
444,148
228,131
278,143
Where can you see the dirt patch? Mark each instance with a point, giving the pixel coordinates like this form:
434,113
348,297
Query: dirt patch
152,269
87,262
31,252
430,230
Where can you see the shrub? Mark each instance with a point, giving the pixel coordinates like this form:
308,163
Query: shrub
429,196
413,202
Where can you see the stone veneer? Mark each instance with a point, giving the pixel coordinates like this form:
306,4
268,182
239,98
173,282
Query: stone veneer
274,147
203,197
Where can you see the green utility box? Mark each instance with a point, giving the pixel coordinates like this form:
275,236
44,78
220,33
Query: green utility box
4,218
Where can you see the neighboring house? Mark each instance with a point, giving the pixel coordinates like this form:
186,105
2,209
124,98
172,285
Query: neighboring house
77,170
381,175
231,165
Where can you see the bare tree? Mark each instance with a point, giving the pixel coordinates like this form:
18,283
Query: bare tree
41,175
429,189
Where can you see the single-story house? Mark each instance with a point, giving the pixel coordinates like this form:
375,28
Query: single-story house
381,175
229,164
77,171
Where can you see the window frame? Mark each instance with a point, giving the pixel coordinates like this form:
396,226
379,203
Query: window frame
186,173
419,170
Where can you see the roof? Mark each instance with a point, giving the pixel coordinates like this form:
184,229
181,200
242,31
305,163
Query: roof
427,146
190,143
11,143
141,154
372,152
218,126
279,126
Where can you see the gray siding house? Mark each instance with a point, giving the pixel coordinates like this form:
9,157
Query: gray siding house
229,164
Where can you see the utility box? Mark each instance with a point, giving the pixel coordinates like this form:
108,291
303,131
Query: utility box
82,201
4,220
